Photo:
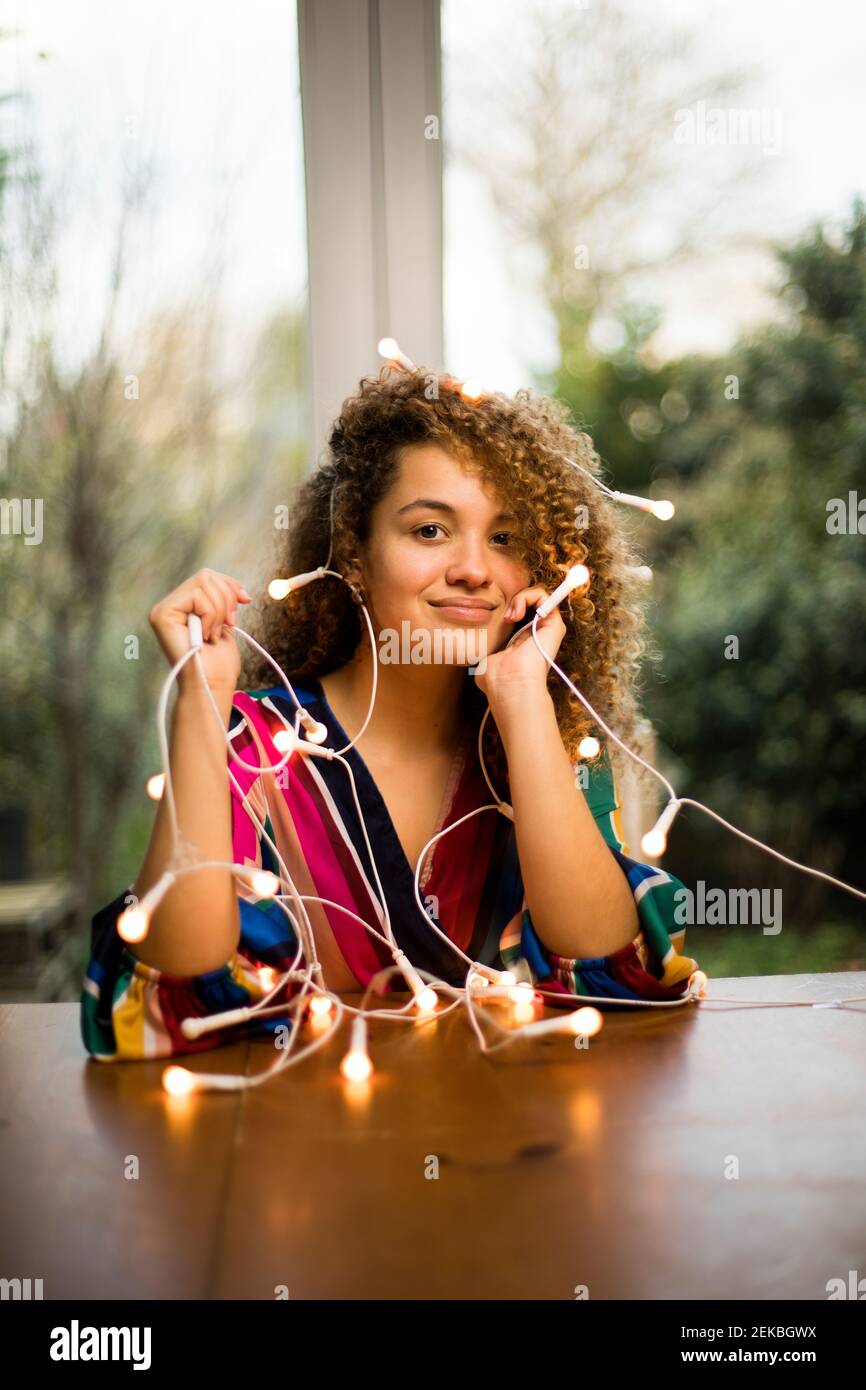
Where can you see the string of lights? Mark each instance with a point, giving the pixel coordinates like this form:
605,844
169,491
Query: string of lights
484,987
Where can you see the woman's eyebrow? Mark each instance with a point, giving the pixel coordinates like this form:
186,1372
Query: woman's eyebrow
433,505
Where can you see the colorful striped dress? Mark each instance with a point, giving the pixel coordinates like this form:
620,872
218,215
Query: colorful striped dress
470,885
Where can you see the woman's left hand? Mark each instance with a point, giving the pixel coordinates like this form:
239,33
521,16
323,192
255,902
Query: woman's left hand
522,664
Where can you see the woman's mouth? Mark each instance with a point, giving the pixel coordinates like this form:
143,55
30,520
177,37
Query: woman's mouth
463,613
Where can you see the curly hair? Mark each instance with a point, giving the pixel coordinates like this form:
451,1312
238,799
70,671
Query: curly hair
520,445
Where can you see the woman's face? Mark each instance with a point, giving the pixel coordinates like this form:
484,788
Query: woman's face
458,543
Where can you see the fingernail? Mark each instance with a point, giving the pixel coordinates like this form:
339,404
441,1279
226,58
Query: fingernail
245,595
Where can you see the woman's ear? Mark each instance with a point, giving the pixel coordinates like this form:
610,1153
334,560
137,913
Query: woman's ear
354,579
354,574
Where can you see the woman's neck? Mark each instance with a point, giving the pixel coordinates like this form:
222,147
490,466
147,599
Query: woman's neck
418,708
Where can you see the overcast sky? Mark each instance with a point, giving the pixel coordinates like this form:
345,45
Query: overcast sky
211,87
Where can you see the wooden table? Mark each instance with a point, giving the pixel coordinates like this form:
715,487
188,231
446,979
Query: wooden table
557,1167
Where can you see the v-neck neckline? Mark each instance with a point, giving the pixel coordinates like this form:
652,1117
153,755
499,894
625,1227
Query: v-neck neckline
458,765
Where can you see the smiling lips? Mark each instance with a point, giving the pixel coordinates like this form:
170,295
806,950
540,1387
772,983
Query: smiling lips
469,610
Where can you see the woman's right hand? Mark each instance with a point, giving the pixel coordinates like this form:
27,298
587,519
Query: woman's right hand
214,597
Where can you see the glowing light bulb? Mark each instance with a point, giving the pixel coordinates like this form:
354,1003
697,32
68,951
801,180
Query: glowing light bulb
178,1081
318,1024
156,786
655,841
476,981
281,588
390,348
356,1066
643,573
267,977
471,390
589,747
265,884
320,1004
523,1012
698,984
133,924
577,578
503,978
585,1022
521,993
423,994
285,740
662,510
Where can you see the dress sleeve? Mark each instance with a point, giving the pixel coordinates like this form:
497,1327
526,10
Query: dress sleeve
132,1012
652,965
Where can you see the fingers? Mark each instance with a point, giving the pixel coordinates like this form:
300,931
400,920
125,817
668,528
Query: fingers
236,594
224,598
212,596
532,597
523,599
237,588
216,608
221,595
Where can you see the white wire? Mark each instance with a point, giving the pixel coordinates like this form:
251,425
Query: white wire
260,1007
303,928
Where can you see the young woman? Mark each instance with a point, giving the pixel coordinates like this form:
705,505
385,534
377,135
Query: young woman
448,518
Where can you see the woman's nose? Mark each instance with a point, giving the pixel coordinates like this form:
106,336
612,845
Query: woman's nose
470,565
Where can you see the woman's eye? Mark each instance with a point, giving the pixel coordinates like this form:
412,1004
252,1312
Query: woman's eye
435,526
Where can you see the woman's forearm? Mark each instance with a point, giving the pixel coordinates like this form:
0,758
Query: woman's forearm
196,926
578,897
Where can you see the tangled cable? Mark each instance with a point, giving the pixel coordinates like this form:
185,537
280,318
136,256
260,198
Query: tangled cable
484,985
